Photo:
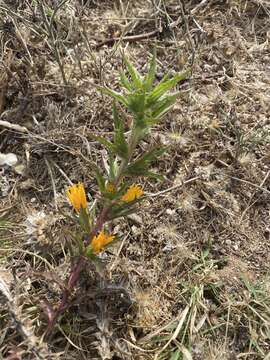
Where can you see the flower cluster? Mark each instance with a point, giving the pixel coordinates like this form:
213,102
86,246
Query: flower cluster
77,197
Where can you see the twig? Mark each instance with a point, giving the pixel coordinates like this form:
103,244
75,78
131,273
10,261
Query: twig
251,197
191,42
173,187
50,266
62,173
15,127
132,38
53,183
252,184
23,43
201,4
53,40
118,252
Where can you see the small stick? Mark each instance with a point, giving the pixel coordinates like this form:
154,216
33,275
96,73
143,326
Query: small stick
251,197
15,127
250,183
173,187
53,183
201,4
63,173
132,38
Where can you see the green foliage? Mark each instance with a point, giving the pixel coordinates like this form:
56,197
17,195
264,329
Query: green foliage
84,220
120,144
147,102
121,210
140,167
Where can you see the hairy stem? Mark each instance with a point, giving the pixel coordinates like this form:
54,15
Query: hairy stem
75,274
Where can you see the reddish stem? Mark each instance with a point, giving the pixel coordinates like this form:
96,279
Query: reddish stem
75,274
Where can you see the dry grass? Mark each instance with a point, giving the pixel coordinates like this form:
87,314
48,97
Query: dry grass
191,279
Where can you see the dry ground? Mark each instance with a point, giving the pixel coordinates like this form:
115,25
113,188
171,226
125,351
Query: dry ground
191,278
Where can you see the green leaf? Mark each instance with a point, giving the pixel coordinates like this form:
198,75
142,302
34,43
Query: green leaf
164,105
153,175
136,104
176,355
152,154
113,168
89,252
109,146
95,260
165,86
125,82
120,143
150,77
100,181
140,166
121,211
114,94
134,74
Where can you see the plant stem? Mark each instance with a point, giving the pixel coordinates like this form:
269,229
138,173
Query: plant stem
75,273
81,262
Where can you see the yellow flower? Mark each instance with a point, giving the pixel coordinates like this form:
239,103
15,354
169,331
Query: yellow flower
100,241
77,197
133,193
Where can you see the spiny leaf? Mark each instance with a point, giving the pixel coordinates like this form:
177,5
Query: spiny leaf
109,146
153,175
140,166
120,143
137,107
152,154
100,181
125,82
164,106
136,103
163,87
117,212
114,94
150,77
134,74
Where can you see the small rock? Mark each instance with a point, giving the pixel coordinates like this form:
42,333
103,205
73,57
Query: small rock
135,231
19,169
9,159
170,212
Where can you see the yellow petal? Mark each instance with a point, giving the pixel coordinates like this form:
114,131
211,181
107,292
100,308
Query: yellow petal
100,241
77,197
133,193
